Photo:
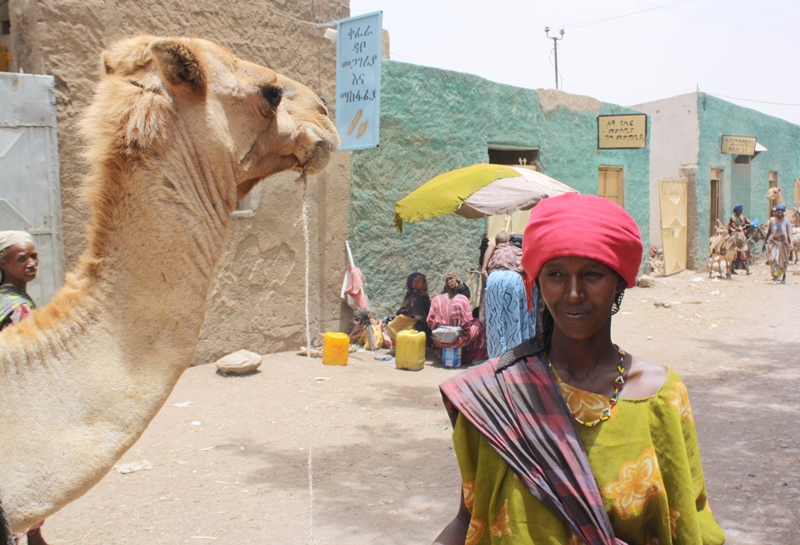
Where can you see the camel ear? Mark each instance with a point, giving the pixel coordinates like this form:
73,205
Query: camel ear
178,63
108,64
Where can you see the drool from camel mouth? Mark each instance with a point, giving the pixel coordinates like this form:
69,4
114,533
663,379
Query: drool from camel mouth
81,379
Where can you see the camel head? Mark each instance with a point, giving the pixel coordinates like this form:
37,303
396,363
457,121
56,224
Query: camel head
774,193
190,102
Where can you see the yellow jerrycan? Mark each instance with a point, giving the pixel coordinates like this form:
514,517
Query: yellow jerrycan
410,351
335,348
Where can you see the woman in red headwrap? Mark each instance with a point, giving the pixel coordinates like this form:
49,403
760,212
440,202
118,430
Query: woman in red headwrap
568,439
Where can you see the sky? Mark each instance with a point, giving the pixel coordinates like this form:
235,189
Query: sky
620,51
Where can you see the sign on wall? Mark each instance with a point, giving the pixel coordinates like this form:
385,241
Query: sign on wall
738,145
621,131
358,80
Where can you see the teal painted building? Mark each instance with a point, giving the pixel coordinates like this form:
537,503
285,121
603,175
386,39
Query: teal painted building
686,140
433,121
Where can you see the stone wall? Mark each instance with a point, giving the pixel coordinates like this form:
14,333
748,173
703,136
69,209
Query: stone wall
256,300
433,121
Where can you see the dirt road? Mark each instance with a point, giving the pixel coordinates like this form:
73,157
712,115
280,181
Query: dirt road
231,467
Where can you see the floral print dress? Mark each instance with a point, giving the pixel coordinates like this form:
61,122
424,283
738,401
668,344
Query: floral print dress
646,462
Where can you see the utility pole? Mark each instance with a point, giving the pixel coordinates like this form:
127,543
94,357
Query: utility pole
555,47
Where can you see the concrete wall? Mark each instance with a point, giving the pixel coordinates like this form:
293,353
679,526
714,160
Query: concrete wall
433,121
718,117
255,301
674,144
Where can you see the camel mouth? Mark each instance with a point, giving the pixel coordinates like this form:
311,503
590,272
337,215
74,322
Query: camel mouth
316,156
317,159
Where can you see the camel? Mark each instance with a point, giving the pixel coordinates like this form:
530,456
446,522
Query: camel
793,215
178,131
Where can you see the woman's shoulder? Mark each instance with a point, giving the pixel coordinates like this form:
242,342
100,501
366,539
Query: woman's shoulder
645,379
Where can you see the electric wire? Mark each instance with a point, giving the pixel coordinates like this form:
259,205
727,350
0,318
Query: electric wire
295,19
603,20
752,100
717,21
393,54
781,15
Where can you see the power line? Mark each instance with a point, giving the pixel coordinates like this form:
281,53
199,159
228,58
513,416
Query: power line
393,54
668,7
276,12
781,15
716,20
595,21
752,100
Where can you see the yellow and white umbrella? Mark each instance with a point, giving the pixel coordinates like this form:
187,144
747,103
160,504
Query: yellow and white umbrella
476,192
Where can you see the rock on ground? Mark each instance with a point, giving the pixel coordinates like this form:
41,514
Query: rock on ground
241,362
645,281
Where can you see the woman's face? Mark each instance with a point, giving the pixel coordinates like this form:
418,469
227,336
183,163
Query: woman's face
420,283
579,293
21,264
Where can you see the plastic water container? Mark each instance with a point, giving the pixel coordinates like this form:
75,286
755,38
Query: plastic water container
335,348
410,351
451,357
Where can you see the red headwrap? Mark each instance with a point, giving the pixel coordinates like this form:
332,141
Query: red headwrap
573,225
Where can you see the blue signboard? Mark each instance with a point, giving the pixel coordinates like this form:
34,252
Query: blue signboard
358,80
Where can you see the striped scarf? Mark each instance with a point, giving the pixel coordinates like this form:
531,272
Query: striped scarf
11,297
516,405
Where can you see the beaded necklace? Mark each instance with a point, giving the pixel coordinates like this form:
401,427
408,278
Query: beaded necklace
618,382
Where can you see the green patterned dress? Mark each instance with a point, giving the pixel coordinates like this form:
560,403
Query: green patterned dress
645,460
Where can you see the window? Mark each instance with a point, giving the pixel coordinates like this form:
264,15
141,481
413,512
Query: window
611,184
515,157
715,202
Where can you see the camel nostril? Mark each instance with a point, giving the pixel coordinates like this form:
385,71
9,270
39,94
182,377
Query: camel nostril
272,95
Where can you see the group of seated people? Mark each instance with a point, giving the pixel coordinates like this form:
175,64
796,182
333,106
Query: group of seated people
505,318
447,320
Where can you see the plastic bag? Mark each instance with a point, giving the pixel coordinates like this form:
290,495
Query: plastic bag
446,334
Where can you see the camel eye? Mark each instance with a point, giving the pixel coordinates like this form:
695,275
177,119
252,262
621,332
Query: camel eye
272,95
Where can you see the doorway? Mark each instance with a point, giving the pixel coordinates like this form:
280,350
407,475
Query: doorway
796,192
673,204
30,190
773,182
715,202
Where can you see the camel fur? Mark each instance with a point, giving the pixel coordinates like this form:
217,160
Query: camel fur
178,130
793,215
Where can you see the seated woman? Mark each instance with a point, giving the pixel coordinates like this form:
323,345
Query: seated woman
567,438
414,309
450,308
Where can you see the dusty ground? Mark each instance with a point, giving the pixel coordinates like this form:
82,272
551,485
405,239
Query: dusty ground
231,467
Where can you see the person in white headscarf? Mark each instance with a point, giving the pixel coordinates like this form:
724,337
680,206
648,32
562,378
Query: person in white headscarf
19,263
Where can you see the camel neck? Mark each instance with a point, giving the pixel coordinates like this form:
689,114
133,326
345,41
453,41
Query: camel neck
114,340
